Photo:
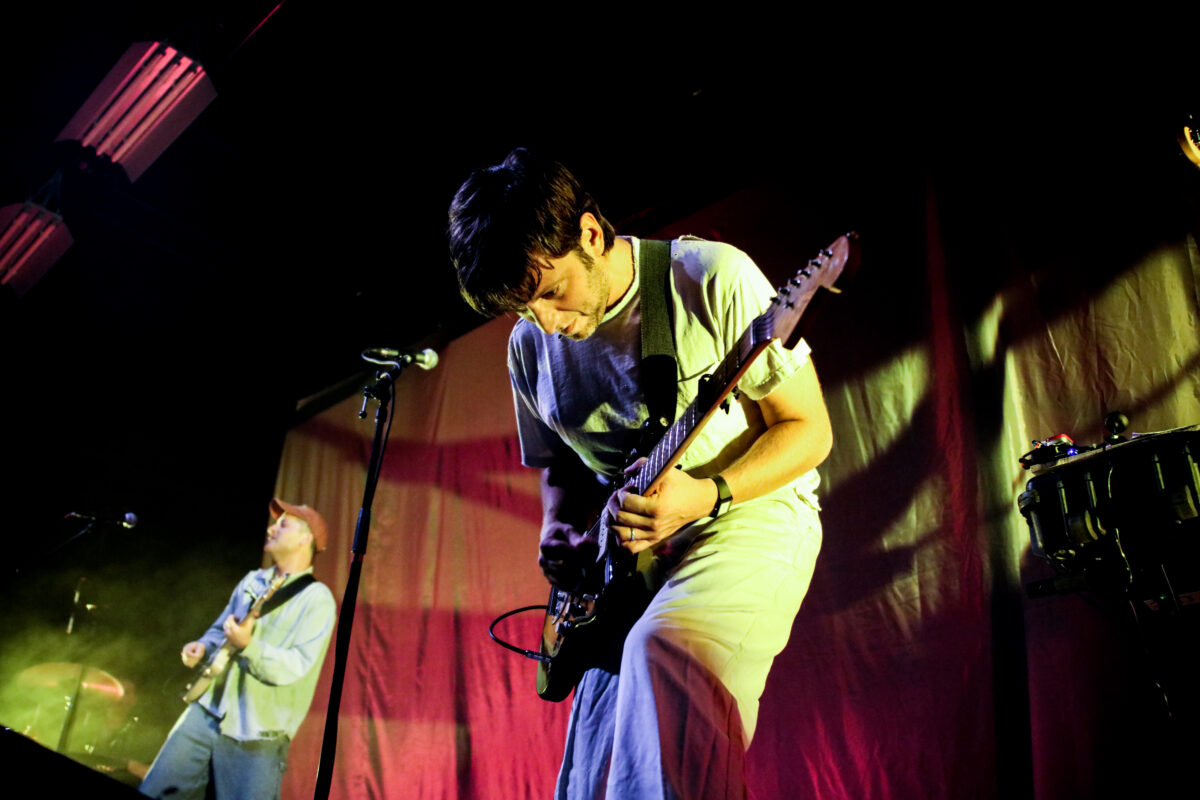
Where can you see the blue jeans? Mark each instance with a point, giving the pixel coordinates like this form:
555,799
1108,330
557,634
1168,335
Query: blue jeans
195,753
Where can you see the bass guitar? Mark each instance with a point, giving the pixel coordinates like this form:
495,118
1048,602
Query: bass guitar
579,624
219,661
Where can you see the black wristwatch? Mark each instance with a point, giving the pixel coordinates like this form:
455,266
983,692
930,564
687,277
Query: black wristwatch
724,496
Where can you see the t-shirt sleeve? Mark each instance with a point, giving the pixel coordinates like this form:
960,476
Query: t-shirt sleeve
540,445
743,292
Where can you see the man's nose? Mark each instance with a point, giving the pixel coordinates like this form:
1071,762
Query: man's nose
545,317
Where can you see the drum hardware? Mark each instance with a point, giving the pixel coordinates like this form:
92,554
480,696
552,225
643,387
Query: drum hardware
1061,446
1119,522
72,708
1118,516
78,710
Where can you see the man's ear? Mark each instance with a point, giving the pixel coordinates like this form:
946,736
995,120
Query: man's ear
591,235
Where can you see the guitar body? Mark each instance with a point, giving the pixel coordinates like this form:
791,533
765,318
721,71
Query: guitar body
586,629
558,676
213,669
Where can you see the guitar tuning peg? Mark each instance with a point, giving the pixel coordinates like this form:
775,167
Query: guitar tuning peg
825,251
815,262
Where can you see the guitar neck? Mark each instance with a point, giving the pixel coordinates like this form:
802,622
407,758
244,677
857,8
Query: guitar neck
714,390
785,319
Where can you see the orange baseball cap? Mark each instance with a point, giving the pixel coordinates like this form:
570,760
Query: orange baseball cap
316,523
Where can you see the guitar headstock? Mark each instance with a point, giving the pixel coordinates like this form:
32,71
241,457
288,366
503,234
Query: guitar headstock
833,265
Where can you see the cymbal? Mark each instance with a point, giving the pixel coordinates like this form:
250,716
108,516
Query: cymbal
63,675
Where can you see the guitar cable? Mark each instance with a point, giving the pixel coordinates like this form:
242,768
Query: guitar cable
545,659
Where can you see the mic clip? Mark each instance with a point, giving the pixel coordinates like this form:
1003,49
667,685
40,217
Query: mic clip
391,363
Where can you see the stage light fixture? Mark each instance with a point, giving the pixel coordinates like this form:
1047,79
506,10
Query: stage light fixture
32,238
142,105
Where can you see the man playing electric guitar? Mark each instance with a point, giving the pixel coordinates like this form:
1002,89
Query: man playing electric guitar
237,731
735,531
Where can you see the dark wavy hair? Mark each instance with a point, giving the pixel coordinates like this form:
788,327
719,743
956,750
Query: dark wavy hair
504,218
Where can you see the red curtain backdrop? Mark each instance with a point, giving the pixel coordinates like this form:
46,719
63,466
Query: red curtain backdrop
916,668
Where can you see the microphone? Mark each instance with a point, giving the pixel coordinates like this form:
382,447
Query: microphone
127,520
426,359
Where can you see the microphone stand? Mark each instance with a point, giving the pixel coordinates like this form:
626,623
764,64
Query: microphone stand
17,570
383,391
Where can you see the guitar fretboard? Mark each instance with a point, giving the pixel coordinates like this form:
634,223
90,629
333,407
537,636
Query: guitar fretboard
716,385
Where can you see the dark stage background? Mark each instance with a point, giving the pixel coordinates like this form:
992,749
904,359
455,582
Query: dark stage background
1029,265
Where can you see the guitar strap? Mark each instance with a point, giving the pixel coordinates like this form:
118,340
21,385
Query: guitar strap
286,593
658,368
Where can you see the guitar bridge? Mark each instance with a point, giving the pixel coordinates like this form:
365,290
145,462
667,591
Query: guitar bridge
573,611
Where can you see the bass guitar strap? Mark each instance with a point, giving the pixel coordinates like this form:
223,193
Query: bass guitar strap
658,368
286,593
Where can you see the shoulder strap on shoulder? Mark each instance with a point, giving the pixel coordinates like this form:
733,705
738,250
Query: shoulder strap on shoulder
286,593
658,368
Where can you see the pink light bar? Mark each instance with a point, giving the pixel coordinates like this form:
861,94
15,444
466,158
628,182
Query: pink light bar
142,105
31,240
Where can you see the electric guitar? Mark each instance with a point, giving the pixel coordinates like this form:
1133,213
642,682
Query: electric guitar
579,624
219,661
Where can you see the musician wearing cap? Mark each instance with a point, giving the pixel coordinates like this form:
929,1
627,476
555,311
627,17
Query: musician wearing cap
274,632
